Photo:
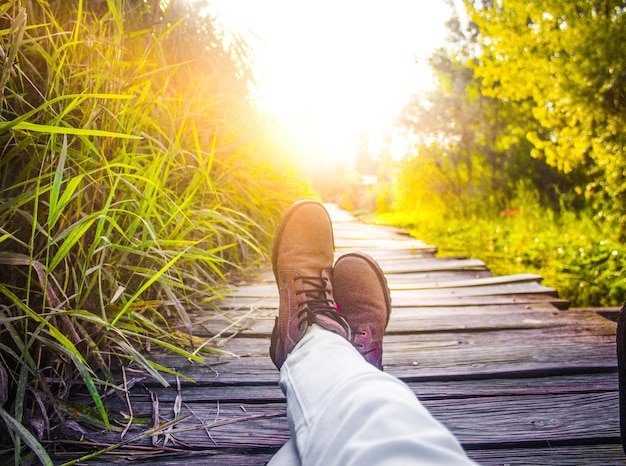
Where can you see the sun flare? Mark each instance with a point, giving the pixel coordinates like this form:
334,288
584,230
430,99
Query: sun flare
332,71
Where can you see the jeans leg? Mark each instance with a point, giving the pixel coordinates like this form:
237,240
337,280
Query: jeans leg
343,411
286,456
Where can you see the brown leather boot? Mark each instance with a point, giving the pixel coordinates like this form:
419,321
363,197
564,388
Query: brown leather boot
361,291
302,260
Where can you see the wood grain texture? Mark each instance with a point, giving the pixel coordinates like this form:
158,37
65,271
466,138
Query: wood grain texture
499,360
477,422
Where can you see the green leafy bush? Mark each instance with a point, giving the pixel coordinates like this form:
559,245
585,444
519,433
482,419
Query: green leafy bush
579,258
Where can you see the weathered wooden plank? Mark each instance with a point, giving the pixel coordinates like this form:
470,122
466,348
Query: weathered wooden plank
513,284
346,228
468,355
356,226
520,288
521,327
397,284
403,323
359,231
212,425
481,362
397,254
185,457
264,275
500,317
554,455
265,286
529,419
551,454
443,276
425,301
426,352
372,235
411,319
422,265
418,293
480,300
475,421
378,243
566,330
447,278
516,384
430,265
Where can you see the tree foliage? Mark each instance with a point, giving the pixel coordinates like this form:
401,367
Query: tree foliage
471,149
565,63
519,150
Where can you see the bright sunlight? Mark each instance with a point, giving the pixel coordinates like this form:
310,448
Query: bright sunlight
331,71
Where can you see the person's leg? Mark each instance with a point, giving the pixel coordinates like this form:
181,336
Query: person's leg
343,411
302,261
287,455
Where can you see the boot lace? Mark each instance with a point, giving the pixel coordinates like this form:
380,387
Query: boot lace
316,302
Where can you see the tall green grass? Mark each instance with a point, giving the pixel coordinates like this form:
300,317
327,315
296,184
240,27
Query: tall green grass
582,259
135,177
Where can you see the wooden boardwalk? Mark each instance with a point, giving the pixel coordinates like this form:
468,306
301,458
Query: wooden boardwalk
499,360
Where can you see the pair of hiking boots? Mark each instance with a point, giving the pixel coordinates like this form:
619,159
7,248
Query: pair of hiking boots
351,299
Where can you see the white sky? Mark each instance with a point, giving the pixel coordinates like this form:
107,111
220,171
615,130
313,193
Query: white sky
333,68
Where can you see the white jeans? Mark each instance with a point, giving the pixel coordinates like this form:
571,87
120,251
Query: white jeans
343,411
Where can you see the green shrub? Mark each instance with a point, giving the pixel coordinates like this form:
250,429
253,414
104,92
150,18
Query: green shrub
572,253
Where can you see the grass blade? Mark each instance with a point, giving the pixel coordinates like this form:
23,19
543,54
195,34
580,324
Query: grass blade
147,285
49,129
74,234
53,211
28,438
